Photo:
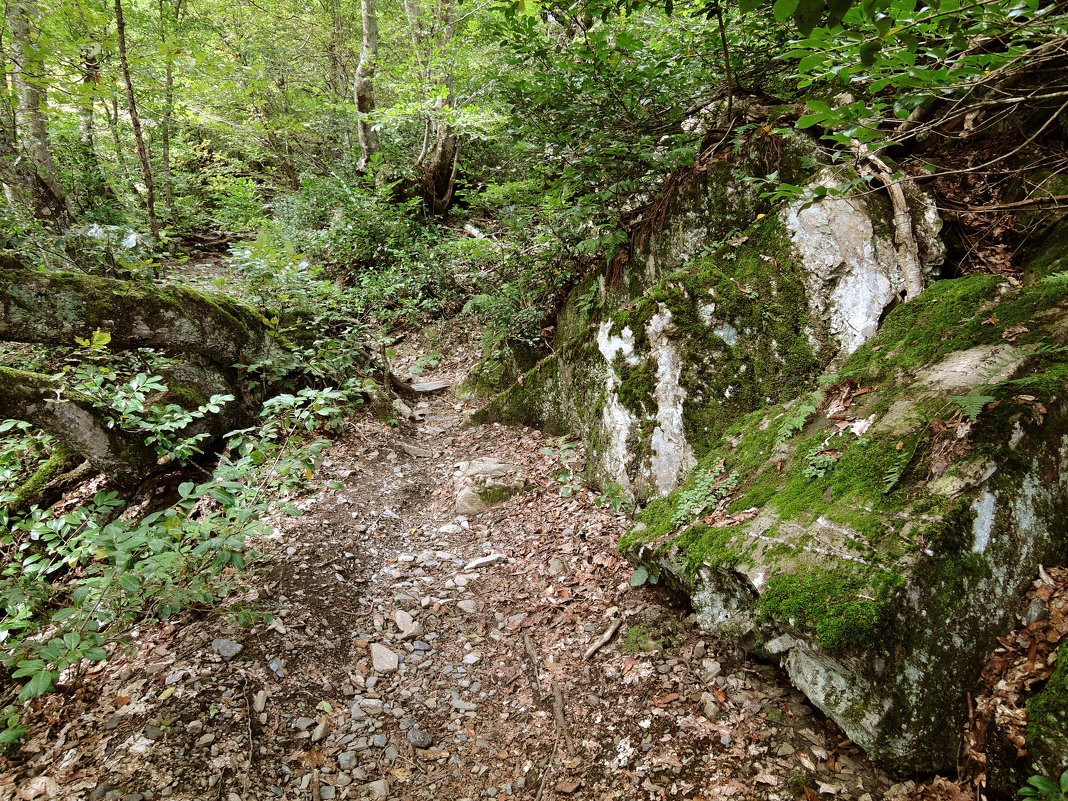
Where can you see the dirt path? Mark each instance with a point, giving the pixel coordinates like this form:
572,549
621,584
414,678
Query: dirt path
414,654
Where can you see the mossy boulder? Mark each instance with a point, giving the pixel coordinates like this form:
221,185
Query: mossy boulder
875,533
727,307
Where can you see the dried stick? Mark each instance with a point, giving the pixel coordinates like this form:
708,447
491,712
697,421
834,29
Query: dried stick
561,722
529,646
603,639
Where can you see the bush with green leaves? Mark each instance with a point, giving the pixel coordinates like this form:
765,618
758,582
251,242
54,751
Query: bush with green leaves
1046,789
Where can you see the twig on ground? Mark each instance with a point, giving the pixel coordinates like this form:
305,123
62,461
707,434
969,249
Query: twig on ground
561,721
529,646
603,639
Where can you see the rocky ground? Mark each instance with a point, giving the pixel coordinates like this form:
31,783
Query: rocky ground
391,648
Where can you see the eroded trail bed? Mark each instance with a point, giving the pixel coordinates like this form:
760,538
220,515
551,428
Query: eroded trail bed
414,654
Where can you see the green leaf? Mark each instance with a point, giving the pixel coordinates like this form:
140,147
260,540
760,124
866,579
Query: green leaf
96,654
748,6
808,15
11,734
836,10
868,51
783,9
639,576
38,685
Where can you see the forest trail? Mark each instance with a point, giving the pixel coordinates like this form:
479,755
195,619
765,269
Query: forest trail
489,619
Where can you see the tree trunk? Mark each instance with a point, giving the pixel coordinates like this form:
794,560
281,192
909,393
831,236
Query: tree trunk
438,170
54,308
97,188
364,87
135,123
21,177
167,182
28,78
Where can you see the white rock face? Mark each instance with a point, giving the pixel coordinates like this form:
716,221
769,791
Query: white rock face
851,274
610,345
672,454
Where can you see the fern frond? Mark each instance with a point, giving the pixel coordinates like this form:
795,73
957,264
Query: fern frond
972,405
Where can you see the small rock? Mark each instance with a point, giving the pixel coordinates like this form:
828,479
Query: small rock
227,649
470,607
557,566
207,739
259,703
303,723
383,659
326,792
153,732
347,760
472,658
320,731
450,528
194,727
378,789
403,620
1035,612
486,561
277,667
372,706
419,739
415,451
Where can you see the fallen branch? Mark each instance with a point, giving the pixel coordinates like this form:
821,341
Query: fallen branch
561,721
908,252
603,639
529,647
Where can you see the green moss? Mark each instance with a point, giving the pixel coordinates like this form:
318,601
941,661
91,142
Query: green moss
493,494
844,610
62,460
1047,720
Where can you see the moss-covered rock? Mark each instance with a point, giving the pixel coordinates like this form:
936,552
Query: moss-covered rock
878,529
1047,721
726,307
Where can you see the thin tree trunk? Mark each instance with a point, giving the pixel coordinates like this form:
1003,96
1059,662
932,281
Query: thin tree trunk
364,90
21,177
135,123
439,170
167,181
120,155
96,185
28,83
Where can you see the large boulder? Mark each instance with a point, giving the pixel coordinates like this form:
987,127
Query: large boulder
875,533
725,305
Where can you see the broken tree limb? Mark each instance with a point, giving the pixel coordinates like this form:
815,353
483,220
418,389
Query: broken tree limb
603,639
908,252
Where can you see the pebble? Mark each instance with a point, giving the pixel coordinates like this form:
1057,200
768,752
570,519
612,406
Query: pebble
472,658
383,659
378,789
227,649
347,760
470,607
419,739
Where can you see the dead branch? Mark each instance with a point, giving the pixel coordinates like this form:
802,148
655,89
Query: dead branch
603,639
561,721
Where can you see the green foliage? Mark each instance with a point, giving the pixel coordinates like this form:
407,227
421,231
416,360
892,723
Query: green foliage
703,490
644,575
1045,789
796,418
131,409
